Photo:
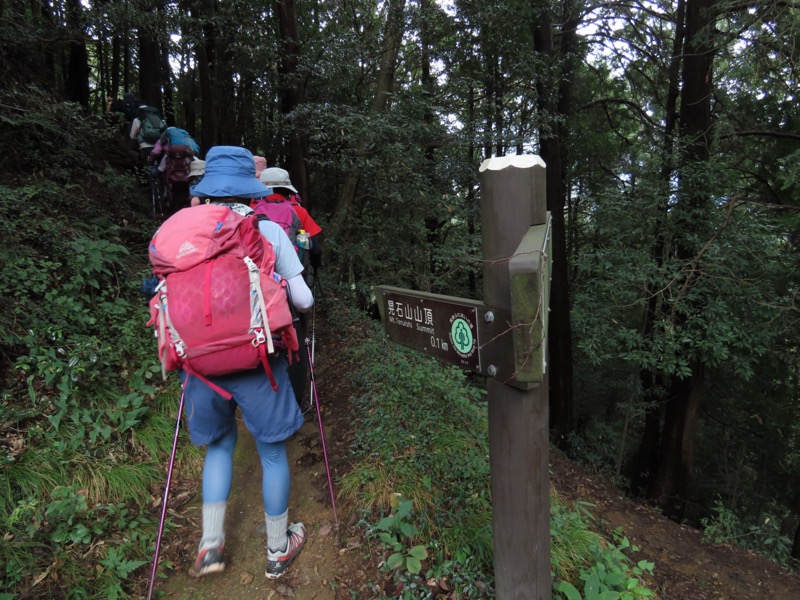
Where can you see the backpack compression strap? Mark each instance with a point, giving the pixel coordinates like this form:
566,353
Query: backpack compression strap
263,334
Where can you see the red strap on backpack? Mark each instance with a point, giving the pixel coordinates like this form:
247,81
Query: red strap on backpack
190,372
267,368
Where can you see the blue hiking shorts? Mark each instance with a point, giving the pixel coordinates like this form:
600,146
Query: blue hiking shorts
269,415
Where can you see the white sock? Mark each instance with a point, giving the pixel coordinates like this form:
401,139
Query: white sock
276,532
213,525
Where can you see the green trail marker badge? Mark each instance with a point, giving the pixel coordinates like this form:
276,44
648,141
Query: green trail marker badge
462,336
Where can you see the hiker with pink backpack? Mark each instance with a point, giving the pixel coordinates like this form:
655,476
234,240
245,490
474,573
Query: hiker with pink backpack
221,314
284,194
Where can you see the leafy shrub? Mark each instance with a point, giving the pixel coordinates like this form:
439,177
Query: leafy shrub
42,136
86,426
763,536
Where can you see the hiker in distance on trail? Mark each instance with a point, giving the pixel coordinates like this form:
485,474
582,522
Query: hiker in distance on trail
265,398
146,129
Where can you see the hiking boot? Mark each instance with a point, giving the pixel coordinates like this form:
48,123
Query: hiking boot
210,560
278,562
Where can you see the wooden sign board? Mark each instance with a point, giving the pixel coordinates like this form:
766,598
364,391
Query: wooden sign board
459,331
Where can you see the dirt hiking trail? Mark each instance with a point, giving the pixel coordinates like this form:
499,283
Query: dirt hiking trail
330,564
311,574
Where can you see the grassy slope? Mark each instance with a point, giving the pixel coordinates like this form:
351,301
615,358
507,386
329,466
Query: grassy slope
87,422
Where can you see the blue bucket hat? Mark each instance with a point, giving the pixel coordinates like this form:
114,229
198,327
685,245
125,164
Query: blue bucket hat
230,171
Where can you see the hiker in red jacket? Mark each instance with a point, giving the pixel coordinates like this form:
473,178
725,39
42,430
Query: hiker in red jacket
283,190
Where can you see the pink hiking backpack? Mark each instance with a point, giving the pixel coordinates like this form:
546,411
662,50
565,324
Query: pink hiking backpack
178,163
219,301
278,209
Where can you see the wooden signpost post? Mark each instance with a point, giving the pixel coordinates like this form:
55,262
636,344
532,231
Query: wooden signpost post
505,338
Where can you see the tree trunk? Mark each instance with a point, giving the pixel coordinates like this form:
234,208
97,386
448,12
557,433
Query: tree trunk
77,81
489,92
166,71
228,132
48,55
472,280
102,71
292,90
203,11
677,455
126,64
149,67
683,403
116,61
556,106
643,468
246,110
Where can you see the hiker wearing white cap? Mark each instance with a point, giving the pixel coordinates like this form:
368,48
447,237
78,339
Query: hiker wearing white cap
283,207
278,180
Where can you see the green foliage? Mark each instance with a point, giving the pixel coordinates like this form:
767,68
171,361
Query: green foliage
86,425
397,534
763,536
42,136
586,566
399,455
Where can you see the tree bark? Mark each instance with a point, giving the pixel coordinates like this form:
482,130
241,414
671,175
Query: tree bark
796,542
684,401
202,11
149,66
677,455
166,77
643,468
48,55
77,82
116,61
292,90
228,132
556,106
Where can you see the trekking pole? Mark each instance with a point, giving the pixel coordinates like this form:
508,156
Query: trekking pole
166,498
313,340
321,432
